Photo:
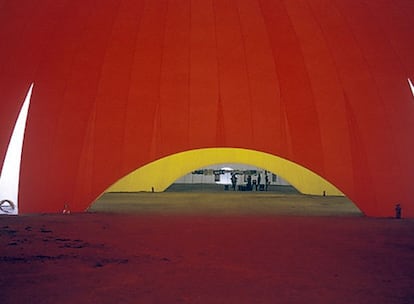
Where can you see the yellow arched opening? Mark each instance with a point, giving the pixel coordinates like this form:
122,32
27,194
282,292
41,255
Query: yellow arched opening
160,174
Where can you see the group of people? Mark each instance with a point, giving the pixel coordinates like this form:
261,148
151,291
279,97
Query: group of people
251,184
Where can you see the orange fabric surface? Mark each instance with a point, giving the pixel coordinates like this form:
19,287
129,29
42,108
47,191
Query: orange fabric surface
119,84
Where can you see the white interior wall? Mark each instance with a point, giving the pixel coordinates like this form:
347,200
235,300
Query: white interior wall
209,179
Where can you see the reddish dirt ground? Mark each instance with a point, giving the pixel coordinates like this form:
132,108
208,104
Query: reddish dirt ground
170,258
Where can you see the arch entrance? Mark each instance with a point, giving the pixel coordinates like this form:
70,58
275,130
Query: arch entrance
160,174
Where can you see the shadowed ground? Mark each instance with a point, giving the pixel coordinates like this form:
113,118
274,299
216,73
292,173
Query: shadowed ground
208,248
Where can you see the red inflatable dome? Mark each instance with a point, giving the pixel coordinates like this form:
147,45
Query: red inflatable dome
120,84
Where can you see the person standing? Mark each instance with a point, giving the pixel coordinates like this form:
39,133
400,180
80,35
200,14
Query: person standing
233,181
249,183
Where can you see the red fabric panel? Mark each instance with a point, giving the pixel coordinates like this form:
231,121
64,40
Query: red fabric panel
328,94
384,65
112,93
63,131
203,80
174,103
23,34
141,123
296,93
234,91
263,83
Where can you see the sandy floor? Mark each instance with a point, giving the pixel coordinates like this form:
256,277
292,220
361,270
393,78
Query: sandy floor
199,248
225,203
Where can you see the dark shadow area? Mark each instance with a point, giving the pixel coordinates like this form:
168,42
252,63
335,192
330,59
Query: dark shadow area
137,258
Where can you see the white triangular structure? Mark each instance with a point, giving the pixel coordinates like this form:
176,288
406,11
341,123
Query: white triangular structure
411,86
10,173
